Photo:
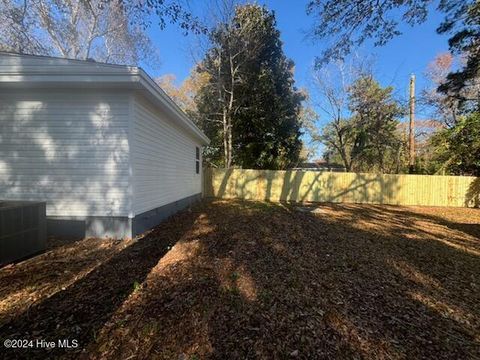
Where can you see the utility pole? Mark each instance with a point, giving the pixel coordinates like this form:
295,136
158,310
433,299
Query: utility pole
411,161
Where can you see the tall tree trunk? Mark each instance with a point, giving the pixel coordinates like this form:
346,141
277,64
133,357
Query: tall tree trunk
348,164
341,150
230,142
381,159
225,139
230,113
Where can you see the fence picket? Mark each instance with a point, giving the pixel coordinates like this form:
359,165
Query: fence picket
315,186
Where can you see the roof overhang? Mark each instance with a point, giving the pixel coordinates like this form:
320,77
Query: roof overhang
97,76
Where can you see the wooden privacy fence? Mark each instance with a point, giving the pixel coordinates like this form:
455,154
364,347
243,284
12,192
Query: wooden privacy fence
315,186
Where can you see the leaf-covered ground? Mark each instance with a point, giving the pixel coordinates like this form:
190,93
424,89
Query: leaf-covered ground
237,280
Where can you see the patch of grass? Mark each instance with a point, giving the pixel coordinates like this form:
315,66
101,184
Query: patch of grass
234,276
136,286
121,322
265,296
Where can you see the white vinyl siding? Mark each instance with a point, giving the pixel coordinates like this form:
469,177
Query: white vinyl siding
69,148
163,159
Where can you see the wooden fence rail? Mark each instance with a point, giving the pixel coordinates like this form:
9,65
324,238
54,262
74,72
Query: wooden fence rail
315,186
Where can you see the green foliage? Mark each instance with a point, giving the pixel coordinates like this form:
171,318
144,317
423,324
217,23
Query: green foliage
375,114
463,21
250,108
349,23
234,276
368,140
457,150
136,286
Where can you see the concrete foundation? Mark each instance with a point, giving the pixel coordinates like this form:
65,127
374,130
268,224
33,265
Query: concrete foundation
150,219
115,227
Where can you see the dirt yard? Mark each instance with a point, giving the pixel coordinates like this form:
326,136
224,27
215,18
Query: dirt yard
238,280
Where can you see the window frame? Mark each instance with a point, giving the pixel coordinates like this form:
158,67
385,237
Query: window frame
197,160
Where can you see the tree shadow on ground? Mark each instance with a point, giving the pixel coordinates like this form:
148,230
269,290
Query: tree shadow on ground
257,280
409,216
43,275
80,310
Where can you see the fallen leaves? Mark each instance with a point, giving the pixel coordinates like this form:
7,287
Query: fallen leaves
234,279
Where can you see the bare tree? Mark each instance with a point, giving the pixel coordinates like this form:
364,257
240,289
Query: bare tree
16,24
231,47
446,106
308,118
331,85
104,30
362,118
220,18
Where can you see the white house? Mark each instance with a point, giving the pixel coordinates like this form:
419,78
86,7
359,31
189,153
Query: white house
110,153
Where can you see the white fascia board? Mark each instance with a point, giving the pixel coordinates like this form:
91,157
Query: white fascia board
67,80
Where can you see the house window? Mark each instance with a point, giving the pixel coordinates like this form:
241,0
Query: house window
197,160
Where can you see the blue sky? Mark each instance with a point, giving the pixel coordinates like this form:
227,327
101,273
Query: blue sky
408,53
